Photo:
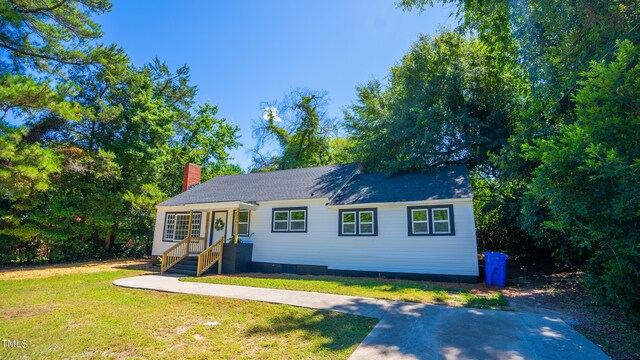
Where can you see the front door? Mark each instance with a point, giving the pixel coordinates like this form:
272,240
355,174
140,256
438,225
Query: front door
218,226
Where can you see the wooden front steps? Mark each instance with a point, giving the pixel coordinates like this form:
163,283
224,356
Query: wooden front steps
180,259
187,266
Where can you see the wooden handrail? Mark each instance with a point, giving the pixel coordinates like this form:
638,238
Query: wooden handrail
175,254
179,251
210,256
197,244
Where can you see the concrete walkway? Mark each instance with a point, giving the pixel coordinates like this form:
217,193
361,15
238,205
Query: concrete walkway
413,330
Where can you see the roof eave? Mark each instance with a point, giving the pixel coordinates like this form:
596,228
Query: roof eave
211,206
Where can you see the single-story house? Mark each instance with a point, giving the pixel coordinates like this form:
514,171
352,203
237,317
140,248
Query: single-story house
326,220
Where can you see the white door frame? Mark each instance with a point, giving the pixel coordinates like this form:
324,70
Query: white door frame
213,220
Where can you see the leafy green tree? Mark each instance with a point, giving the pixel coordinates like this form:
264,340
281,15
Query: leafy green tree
26,171
589,175
46,34
551,43
81,208
205,139
103,141
445,104
146,121
39,41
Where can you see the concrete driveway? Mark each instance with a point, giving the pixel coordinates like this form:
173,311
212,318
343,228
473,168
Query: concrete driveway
413,330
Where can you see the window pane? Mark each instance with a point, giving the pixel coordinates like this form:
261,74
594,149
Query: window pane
280,225
441,227
169,227
297,215
366,228
182,225
419,215
440,214
195,230
282,215
243,229
348,217
243,217
366,216
195,224
348,228
297,225
419,228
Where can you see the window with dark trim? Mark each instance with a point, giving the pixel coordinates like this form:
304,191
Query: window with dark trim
176,225
243,222
358,222
292,219
430,220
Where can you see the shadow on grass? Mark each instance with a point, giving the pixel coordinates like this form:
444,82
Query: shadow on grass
336,331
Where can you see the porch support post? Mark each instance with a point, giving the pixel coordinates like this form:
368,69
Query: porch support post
206,230
235,226
220,257
189,231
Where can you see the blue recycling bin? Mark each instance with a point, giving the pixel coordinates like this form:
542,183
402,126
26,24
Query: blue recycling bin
495,267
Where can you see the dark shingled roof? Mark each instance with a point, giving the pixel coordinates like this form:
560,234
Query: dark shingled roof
449,182
304,183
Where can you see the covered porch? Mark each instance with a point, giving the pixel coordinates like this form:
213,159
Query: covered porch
208,248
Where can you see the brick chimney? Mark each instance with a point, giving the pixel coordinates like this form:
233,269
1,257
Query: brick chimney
192,174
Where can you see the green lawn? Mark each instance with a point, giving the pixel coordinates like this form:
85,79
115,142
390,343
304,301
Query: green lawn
400,290
80,314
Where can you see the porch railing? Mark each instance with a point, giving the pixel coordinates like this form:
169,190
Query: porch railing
197,245
175,253
179,251
210,256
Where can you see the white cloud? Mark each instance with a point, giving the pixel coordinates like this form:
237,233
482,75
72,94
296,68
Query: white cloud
271,111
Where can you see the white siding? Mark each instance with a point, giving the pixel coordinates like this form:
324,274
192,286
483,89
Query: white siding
393,250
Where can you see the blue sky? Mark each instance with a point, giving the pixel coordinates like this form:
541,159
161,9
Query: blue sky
242,53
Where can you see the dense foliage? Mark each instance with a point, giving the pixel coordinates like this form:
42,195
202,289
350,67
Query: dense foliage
565,176
588,178
445,103
102,141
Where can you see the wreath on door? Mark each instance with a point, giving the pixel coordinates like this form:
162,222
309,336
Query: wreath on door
218,224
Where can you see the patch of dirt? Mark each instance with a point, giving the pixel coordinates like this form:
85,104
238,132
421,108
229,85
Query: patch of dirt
110,354
27,311
20,272
182,329
542,289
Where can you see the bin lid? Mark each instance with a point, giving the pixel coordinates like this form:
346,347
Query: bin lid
495,254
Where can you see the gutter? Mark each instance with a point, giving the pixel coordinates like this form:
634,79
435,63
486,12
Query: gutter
414,202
